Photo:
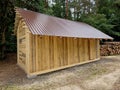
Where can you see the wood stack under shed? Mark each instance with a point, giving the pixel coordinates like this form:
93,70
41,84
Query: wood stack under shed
110,48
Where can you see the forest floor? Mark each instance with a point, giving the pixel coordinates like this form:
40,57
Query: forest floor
100,75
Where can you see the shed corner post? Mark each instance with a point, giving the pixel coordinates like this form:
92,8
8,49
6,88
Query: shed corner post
98,48
28,52
18,45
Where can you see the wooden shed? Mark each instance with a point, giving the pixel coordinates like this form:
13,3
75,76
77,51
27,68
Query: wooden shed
46,43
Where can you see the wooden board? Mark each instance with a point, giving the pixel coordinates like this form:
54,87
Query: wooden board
38,54
21,46
54,52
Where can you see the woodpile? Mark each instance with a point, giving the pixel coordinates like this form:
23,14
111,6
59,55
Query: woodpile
110,48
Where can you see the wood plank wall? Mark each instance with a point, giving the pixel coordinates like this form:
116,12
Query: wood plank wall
36,54
49,52
21,46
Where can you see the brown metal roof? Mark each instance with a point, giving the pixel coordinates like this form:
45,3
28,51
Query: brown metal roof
41,24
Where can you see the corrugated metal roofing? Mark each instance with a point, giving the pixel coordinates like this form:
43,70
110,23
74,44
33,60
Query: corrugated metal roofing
41,24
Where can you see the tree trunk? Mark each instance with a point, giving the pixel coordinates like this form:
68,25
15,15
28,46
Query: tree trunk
3,44
66,16
46,3
74,11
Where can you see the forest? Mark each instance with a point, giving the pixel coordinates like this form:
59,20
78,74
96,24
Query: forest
101,14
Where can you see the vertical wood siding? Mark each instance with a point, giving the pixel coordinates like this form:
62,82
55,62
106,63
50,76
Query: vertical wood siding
21,46
49,52
38,54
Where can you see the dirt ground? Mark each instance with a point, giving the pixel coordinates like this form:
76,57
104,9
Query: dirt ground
99,75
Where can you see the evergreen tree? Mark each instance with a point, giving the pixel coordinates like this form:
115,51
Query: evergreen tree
7,15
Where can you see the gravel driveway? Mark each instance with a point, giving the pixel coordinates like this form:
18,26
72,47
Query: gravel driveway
100,75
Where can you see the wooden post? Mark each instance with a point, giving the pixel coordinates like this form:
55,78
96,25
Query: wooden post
66,9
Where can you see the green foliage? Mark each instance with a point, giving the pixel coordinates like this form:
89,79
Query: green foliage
10,41
105,7
59,8
7,15
106,17
110,8
100,22
34,5
6,24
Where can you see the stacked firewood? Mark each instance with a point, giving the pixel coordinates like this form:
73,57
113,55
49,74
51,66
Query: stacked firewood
110,48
